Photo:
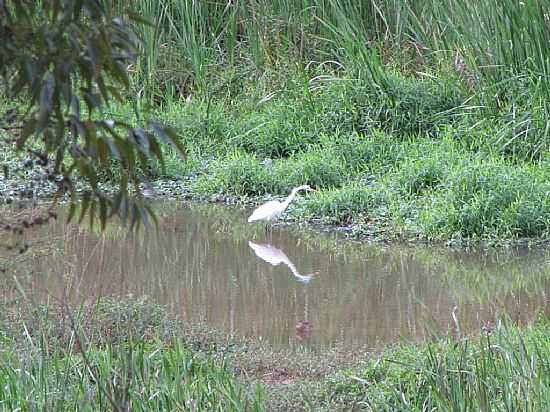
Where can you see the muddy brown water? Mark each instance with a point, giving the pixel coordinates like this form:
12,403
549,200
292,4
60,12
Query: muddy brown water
295,286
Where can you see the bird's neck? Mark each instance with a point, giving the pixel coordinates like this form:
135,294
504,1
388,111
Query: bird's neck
290,197
292,268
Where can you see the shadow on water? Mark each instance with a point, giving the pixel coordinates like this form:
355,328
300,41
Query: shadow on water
205,263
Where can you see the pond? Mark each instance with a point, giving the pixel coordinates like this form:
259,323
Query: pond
293,286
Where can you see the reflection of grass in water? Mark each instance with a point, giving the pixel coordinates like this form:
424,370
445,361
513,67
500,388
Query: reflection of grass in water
133,356
482,277
227,222
117,229
491,278
470,275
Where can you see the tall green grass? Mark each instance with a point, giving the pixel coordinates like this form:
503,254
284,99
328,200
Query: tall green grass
412,158
134,376
115,354
389,107
506,369
497,50
499,38
495,37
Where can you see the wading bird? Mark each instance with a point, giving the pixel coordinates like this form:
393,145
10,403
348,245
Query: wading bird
273,209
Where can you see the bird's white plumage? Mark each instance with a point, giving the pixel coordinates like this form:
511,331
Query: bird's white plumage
273,209
268,253
267,211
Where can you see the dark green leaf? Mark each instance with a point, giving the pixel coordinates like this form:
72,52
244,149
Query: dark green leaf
28,129
134,215
46,99
94,55
151,213
91,214
143,215
113,149
59,154
75,106
120,73
138,19
103,212
103,89
103,152
72,210
168,136
84,205
141,139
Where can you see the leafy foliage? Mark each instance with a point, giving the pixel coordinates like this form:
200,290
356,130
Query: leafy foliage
67,60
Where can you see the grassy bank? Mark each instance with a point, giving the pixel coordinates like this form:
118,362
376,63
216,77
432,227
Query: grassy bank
429,168
128,353
506,369
415,119
115,355
132,376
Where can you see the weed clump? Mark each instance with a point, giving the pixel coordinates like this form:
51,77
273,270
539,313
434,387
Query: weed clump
375,153
318,168
284,128
237,174
502,370
352,203
406,107
488,198
438,192
243,175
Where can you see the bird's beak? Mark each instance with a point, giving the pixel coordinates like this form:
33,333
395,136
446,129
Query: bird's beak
311,190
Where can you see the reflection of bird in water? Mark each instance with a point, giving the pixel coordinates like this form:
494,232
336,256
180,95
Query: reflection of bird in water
276,256
273,209
148,192
303,330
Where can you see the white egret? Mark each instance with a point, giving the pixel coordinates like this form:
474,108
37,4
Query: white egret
275,257
273,209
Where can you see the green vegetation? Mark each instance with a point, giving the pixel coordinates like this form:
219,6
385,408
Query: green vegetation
64,62
127,355
116,355
505,370
140,377
416,120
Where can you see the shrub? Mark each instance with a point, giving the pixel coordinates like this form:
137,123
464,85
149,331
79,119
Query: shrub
489,198
407,106
343,205
318,168
376,152
238,174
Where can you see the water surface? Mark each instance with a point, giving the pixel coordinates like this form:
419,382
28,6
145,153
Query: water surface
293,286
